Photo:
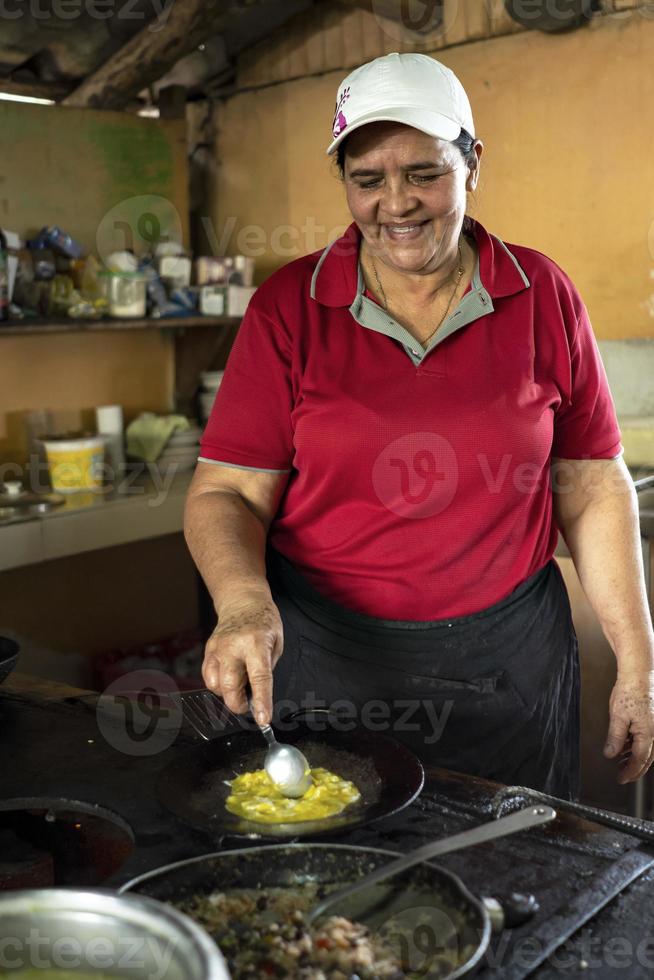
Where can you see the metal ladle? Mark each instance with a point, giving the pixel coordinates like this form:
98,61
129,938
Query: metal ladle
286,765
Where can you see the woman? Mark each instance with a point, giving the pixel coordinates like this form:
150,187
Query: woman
405,421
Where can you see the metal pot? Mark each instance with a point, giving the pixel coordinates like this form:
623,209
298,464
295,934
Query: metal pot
121,935
449,927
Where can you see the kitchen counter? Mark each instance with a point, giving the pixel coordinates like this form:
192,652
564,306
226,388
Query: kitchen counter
142,505
571,866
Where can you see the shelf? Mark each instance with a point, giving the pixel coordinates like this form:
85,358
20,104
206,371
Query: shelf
22,328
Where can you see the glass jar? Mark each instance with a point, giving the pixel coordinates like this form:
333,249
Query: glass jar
126,293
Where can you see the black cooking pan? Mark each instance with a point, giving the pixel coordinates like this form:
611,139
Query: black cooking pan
194,786
446,929
9,651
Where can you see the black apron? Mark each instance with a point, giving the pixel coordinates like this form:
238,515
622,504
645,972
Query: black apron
493,694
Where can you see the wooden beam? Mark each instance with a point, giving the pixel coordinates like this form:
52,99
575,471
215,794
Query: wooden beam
147,56
151,53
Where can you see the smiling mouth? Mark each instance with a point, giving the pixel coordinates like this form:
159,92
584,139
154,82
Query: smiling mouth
405,230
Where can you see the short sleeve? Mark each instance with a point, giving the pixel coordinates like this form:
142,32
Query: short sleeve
585,425
250,423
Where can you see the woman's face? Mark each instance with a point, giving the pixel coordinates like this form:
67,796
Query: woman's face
407,193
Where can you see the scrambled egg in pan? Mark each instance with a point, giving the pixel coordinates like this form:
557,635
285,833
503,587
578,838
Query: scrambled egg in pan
255,797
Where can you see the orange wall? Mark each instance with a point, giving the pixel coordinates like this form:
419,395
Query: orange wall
567,125
73,373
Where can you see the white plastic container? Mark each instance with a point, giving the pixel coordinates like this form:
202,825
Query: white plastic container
238,298
213,300
207,398
211,380
110,425
244,267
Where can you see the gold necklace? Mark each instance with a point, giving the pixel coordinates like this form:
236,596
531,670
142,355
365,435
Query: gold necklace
424,342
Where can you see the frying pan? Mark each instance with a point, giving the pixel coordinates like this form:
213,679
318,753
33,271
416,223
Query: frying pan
9,651
194,786
426,902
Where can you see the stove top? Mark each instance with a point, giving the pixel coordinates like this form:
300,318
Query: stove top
593,884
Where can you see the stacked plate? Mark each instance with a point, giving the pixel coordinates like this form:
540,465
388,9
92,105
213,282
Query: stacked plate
181,452
210,384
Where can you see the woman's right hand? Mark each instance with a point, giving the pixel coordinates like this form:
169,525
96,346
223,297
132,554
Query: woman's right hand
244,648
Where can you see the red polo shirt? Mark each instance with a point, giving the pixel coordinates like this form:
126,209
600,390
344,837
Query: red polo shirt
418,483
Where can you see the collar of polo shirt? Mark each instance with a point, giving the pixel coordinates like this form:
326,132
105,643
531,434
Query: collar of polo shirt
335,281
338,281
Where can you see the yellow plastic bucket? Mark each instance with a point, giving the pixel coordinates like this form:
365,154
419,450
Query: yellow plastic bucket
75,464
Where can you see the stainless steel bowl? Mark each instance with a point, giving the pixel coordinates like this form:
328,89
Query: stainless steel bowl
121,935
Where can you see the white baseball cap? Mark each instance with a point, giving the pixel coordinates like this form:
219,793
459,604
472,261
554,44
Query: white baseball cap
413,89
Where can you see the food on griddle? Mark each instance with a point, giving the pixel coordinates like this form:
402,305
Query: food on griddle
263,934
255,797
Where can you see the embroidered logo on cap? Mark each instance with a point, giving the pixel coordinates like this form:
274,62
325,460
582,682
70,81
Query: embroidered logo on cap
340,122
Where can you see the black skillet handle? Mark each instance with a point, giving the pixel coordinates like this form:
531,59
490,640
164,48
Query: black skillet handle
306,712
302,712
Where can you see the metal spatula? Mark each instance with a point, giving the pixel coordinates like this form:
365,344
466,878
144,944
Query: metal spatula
531,816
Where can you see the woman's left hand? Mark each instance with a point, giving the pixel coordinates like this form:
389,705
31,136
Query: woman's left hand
631,724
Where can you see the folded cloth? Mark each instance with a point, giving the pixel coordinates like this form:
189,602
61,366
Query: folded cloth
148,434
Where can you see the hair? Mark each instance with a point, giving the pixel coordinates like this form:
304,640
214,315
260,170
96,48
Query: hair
464,142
